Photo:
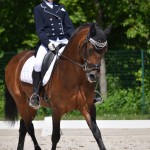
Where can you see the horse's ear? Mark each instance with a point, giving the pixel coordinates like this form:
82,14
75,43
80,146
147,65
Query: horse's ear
108,30
92,30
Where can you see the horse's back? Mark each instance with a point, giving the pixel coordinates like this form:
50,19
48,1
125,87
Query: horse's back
19,57
13,68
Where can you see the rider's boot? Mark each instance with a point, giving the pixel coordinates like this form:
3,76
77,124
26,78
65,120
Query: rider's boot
35,99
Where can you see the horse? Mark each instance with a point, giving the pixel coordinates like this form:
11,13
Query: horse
71,86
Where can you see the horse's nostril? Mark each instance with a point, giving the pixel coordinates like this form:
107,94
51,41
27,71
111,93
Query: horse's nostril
92,77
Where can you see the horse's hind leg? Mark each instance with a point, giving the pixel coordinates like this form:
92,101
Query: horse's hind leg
91,121
26,125
22,134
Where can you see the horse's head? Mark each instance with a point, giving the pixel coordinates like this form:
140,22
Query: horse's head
93,48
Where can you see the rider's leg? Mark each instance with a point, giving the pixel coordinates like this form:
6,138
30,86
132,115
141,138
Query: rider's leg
36,75
34,99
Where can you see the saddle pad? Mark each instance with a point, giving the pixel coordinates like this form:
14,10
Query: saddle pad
26,72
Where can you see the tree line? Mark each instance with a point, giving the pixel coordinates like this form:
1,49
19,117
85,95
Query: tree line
130,20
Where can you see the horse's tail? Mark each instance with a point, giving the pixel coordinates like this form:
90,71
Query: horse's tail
10,108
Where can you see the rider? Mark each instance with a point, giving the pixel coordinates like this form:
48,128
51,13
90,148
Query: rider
53,27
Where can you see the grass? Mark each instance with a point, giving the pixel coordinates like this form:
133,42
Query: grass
111,117
123,117
103,117
2,117
75,115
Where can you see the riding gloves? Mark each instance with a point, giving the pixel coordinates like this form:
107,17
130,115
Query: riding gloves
51,46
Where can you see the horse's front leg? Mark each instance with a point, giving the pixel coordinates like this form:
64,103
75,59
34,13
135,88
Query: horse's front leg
32,134
97,134
56,129
91,121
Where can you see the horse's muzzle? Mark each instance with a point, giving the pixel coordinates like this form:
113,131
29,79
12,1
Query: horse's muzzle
92,72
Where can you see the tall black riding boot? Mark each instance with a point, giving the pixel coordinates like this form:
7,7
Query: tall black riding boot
35,99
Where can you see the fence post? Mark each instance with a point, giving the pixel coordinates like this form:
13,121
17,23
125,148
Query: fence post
142,81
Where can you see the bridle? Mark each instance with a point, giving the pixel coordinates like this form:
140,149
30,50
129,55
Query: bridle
98,46
86,66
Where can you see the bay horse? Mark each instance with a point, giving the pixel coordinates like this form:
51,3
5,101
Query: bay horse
71,86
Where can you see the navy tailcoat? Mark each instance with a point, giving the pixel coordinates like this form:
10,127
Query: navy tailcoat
52,23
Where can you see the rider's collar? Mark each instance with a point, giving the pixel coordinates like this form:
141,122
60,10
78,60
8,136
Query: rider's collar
50,4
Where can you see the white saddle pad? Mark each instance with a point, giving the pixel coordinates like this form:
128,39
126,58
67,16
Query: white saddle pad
26,72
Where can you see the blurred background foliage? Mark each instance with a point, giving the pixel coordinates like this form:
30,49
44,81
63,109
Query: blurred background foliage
130,19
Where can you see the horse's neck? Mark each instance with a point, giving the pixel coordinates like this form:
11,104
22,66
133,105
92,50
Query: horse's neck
67,72
72,65
74,48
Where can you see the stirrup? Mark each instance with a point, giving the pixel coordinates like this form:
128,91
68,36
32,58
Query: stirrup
98,100
34,101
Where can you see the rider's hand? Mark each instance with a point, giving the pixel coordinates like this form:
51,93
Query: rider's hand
51,46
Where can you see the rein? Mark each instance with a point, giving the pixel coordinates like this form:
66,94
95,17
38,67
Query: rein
83,66
72,61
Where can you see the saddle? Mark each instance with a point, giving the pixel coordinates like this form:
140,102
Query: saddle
48,64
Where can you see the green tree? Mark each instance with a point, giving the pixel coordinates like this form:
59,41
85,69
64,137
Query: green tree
130,20
17,29
131,23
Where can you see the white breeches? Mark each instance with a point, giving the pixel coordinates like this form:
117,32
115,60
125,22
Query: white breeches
42,52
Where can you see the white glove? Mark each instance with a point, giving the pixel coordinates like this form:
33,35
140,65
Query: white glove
51,46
